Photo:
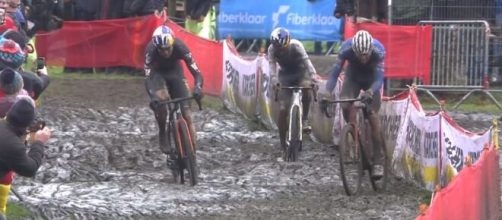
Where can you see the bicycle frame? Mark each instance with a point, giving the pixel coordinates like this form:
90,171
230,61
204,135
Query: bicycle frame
179,130
294,121
296,101
176,120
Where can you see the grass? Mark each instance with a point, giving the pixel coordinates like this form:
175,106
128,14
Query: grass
17,211
56,72
213,102
477,102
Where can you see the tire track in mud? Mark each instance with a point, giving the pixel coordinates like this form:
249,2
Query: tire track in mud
105,164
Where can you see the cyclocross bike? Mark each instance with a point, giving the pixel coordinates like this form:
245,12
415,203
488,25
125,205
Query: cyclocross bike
294,135
356,147
179,132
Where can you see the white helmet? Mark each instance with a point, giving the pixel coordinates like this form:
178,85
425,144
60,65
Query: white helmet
362,43
163,37
280,37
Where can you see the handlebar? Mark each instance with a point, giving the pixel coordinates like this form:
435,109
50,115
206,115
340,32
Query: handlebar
198,100
325,102
313,88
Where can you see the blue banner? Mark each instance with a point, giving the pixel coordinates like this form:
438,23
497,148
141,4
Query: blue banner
306,20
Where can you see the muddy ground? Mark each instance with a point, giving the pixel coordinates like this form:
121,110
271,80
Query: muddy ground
103,163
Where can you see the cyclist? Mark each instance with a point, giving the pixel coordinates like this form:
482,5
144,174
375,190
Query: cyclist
165,78
296,69
364,71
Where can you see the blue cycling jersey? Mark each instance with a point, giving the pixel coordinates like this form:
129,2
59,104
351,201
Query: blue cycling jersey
370,72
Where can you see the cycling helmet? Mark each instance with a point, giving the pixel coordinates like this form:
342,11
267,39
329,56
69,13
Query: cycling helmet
11,55
163,37
280,37
362,43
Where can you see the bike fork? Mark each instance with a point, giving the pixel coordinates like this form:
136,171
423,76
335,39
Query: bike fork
297,97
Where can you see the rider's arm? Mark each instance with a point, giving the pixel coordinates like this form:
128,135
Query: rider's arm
272,62
337,67
380,51
150,49
306,60
190,62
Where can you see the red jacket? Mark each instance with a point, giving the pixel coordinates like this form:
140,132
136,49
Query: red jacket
8,24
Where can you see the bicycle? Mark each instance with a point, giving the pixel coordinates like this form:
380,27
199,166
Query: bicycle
179,132
294,135
356,148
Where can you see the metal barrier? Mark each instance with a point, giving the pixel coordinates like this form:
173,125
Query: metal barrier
409,12
459,58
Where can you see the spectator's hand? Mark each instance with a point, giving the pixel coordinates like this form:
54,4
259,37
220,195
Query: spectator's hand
42,71
42,135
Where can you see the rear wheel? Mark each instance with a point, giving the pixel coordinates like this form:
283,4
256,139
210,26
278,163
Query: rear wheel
189,160
295,142
351,170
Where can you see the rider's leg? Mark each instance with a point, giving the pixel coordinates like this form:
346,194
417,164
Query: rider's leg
374,119
284,103
157,91
350,90
306,100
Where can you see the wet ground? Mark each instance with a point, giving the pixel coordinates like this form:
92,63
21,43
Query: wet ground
103,163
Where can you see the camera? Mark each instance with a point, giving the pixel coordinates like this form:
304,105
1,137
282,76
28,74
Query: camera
37,125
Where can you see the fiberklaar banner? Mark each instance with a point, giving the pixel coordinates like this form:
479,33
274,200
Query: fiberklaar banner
306,20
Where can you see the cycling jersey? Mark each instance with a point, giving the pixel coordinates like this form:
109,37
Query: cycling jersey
364,73
293,60
162,65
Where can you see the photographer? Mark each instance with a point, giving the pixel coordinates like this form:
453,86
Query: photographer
13,146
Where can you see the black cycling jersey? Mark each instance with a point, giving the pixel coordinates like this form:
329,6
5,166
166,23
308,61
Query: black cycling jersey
156,62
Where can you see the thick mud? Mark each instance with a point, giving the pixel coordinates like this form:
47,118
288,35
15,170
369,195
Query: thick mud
103,162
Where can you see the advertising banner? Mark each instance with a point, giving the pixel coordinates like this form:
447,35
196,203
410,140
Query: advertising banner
306,20
416,156
239,90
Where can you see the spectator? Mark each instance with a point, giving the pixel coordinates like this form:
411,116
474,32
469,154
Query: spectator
87,10
11,89
141,7
6,22
12,11
13,133
34,82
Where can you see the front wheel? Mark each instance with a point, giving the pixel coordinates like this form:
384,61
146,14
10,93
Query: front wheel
189,159
295,143
351,163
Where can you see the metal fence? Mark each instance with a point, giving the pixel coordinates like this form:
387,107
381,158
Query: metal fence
410,12
459,59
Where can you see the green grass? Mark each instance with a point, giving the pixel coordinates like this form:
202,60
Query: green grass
56,72
17,211
213,102
477,102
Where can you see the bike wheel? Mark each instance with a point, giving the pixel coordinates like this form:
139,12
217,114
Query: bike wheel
189,160
295,142
380,185
351,170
